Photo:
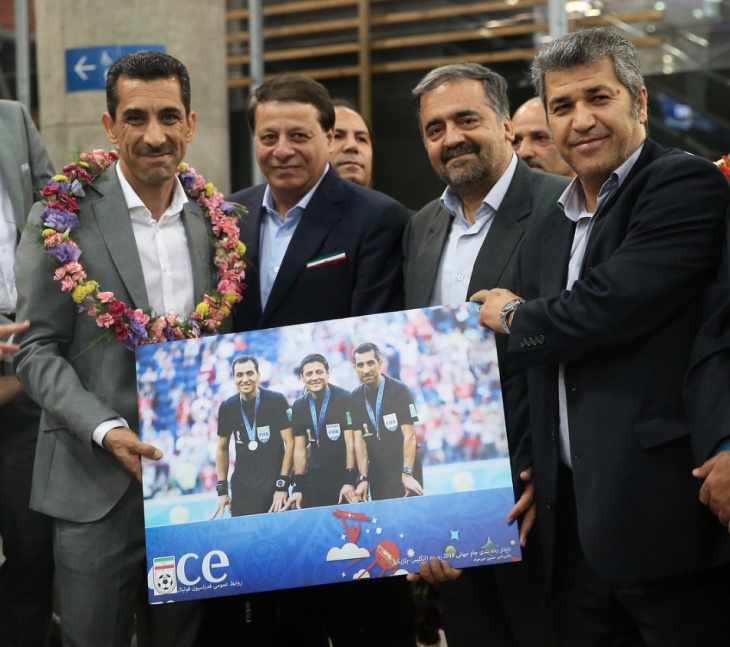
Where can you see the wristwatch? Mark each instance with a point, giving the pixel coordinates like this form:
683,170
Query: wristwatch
507,309
407,470
361,478
282,483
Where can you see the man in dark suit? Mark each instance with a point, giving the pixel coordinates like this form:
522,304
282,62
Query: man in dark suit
26,576
136,223
318,247
707,394
466,241
613,282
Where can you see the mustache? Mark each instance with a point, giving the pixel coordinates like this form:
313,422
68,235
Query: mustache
532,163
596,133
461,149
151,150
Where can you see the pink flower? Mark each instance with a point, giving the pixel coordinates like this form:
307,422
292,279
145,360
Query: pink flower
105,297
53,240
104,321
93,310
68,284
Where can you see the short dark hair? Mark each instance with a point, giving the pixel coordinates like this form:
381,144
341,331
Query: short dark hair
495,86
344,102
314,357
146,65
299,89
366,347
585,47
242,359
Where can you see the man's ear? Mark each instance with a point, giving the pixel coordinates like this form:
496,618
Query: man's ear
108,123
509,130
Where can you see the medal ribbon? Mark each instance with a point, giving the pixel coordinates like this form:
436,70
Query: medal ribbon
323,411
378,406
251,429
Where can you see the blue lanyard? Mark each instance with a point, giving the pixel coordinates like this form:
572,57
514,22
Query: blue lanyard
378,406
251,428
323,411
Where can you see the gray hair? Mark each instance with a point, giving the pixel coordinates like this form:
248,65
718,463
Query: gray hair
495,87
585,47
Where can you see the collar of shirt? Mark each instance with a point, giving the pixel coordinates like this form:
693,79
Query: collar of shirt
573,199
491,203
135,204
296,211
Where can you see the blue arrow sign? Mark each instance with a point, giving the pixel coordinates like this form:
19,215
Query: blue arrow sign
86,67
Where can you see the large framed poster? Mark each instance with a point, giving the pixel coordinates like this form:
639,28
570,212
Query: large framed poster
324,452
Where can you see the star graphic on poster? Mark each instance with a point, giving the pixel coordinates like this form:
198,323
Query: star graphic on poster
375,521
344,574
410,552
454,534
343,537
401,535
367,529
378,531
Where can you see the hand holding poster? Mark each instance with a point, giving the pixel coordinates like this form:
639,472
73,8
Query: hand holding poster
325,452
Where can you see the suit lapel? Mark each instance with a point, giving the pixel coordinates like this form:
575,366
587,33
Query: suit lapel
10,173
250,232
318,219
429,256
197,234
555,255
115,226
504,234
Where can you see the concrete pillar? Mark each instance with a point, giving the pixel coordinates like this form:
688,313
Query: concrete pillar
190,30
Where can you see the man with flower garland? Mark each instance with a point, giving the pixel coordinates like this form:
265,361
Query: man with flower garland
127,241
26,576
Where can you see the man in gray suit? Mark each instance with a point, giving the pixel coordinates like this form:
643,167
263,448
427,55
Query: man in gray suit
145,241
26,576
453,247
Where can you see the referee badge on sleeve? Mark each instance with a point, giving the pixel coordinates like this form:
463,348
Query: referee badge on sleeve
391,422
333,431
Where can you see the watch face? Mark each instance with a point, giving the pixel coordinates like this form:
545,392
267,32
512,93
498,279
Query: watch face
280,483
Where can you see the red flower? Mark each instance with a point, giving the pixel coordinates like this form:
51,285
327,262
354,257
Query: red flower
119,330
116,308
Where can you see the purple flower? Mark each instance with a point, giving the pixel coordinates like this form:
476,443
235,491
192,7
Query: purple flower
137,333
59,220
64,253
77,189
169,332
187,179
227,207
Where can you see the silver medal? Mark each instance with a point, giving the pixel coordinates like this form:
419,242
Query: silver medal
253,445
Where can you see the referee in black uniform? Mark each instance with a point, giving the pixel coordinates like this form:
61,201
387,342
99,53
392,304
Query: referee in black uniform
322,426
260,422
384,414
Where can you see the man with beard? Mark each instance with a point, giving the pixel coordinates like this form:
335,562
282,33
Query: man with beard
533,141
466,241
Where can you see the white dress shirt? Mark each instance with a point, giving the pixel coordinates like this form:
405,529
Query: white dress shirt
276,234
163,250
465,240
8,242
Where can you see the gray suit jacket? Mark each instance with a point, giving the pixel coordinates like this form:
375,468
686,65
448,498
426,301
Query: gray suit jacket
530,196
24,162
78,380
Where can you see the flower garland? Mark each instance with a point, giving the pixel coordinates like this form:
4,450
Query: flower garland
724,165
60,217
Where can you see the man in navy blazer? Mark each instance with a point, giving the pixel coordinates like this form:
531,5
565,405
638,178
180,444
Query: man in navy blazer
318,247
612,284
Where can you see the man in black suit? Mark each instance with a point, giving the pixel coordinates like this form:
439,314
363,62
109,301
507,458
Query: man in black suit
465,241
320,247
613,282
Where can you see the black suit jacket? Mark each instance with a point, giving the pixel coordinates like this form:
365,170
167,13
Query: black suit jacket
624,331
341,217
707,392
530,196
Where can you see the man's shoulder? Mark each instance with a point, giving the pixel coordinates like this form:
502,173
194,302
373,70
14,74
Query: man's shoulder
267,395
359,200
338,392
229,403
247,196
395,385
426,214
